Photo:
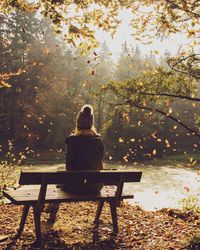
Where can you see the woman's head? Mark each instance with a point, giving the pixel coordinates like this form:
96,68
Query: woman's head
85,118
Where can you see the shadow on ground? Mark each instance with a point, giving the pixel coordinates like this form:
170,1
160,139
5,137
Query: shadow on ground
138,229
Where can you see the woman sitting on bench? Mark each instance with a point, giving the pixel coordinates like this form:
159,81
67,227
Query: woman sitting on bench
85,151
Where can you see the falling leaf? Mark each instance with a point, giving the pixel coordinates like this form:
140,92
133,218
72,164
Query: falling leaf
121,140
167,143
154,152
154,135
92,71
186,189
170,110
125,158
167,103
46,51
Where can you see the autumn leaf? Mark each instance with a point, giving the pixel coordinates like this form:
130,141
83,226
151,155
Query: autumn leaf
167,102
186,189
46,51
154,152
121,140
92,72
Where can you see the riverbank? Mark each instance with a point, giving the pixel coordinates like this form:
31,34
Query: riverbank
161,186
139,229
58,156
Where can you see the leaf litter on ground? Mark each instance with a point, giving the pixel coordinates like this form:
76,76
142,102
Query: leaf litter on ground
73,229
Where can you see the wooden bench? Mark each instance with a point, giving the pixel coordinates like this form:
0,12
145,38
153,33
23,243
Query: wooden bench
36,197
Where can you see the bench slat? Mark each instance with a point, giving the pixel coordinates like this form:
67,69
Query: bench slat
103,176
22,196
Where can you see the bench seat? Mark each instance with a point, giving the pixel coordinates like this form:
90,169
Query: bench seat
40,187
29,195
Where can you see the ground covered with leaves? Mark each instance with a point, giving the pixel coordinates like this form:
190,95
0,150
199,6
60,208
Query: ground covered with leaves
138,229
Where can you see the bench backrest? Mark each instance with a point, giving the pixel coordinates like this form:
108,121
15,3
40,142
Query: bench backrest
108,177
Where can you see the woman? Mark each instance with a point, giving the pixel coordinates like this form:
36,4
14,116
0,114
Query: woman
85,151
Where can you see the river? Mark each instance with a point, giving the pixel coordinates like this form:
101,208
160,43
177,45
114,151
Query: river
160,186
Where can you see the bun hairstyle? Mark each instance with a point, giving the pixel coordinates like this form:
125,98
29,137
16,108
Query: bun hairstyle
85,118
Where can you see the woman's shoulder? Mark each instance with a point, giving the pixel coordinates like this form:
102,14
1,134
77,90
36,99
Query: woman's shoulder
83,137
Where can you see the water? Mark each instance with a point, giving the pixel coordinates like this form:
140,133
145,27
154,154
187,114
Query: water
160,186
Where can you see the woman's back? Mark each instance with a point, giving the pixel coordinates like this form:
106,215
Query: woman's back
84,152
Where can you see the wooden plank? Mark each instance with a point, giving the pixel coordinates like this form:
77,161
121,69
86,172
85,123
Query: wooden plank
56,192
3,238
103,176
57,195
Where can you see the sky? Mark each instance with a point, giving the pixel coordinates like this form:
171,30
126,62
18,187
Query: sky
170,44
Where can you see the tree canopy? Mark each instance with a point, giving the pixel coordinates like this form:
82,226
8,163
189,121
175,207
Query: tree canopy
134,86
81,17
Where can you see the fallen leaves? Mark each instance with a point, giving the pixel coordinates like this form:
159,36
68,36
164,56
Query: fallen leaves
138,229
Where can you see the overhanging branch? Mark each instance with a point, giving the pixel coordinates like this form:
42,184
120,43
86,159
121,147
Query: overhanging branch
195,99
167,115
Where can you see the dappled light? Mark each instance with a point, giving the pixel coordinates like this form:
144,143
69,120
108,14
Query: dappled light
96,94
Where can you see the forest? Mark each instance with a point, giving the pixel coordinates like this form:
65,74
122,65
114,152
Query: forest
55,57
144,108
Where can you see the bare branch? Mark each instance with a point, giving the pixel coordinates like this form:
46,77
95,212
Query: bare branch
189,71
186,10
195,99
167,115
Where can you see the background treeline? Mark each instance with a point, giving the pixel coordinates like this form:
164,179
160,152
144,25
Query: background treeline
54,80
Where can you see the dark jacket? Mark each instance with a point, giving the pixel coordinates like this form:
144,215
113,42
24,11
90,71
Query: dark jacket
84,152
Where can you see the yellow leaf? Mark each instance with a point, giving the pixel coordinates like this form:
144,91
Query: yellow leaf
154,152
125,158
167,143
170,110
121,140
4,84
194,104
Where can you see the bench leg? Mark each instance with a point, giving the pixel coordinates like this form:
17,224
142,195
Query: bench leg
98,213
36,213
23,220
114,216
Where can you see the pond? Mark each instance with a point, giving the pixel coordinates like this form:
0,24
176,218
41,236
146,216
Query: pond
160,186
